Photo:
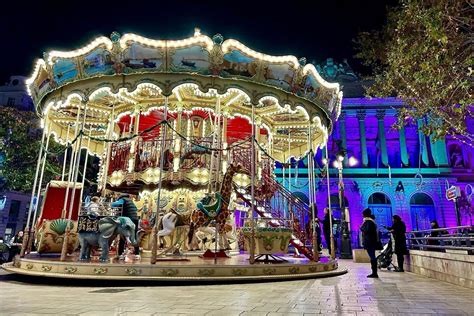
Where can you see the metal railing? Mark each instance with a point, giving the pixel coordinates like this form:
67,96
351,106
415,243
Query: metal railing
440,239
102,209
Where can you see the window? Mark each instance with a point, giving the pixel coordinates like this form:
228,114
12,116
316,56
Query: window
11,102
379,198
14,211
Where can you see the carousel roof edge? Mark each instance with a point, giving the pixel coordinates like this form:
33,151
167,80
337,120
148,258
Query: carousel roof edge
113,56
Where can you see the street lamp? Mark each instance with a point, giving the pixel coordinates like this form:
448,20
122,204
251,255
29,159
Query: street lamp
345,247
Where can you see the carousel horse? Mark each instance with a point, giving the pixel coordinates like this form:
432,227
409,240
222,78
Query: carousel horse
217,211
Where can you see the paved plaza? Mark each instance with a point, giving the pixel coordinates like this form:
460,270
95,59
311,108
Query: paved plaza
350,294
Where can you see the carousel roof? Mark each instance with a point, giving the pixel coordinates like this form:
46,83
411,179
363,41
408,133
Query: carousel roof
129,74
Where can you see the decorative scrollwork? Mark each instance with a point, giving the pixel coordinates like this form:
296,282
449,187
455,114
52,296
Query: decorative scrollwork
46,268
294,270
169,272
206,272
70,269
269,271
239,272
29,266
313,269
100,270
133,271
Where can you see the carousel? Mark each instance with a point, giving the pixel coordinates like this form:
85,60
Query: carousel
188,132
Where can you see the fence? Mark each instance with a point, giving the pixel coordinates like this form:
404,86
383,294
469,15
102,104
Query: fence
441,239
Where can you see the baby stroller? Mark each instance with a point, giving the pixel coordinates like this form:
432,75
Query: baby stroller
384,259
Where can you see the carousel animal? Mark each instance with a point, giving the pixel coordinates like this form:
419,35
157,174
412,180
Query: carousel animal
167,224
217,211
107,229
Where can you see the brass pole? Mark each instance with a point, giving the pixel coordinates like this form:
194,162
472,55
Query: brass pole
32,199
154,233
252,176
312,195
333,251
73,195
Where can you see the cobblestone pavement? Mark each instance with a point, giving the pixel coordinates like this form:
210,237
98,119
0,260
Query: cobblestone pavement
350,294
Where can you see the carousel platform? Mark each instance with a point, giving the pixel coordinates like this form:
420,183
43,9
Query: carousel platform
175,269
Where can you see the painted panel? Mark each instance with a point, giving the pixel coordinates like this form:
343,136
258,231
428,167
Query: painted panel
42,82
312,89
64,70
98,61
280,75
238,64
190,59
138,57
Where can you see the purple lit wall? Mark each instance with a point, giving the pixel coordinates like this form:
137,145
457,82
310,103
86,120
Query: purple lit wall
423,198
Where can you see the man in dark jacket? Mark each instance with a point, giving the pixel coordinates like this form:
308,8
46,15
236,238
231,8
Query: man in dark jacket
369,240
128,210
398,231
327,229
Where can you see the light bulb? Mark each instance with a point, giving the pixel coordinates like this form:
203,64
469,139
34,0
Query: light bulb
353,161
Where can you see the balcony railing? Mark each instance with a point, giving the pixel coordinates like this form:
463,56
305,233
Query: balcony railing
441,239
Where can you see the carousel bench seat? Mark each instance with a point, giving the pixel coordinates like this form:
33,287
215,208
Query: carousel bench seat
49,238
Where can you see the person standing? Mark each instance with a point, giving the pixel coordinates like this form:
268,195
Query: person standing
398,230
327,229
369,240
128,210
15,245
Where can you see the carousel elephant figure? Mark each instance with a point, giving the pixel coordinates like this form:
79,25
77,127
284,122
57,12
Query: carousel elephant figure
108,229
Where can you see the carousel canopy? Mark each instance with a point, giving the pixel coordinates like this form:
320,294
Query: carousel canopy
111,80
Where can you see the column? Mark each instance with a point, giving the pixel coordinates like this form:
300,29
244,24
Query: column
380,114
342,134
363,140
423,144
403,146
439,152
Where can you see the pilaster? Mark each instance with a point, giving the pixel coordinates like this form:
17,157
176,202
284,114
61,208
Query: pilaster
363,140
380,114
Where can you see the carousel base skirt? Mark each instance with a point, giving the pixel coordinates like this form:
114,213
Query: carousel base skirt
171,268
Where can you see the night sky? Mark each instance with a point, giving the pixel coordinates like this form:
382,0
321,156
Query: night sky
315,30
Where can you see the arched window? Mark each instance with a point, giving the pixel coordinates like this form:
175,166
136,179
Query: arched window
301,197
381,207
421,199
379,198
422,211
